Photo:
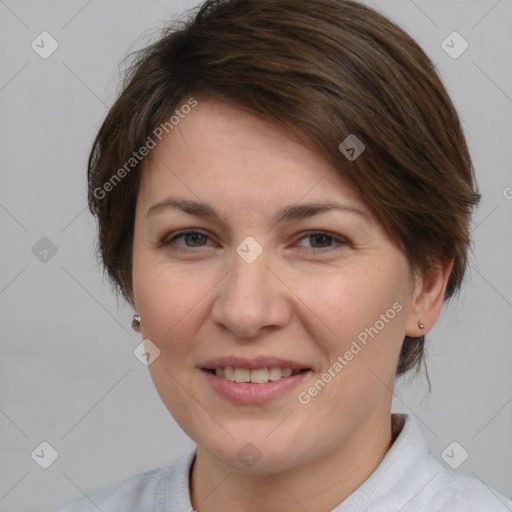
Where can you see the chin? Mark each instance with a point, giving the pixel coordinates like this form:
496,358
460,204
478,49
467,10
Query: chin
259,456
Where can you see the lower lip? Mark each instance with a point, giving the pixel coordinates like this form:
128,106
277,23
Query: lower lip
251,393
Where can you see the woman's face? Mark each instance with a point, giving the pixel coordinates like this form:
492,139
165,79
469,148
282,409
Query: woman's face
264,277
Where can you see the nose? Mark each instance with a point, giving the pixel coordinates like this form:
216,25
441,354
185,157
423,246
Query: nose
251,300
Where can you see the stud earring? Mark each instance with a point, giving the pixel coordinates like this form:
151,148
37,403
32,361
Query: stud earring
421,326
136,323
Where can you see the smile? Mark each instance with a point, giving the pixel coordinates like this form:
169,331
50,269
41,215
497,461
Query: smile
257,376
268,384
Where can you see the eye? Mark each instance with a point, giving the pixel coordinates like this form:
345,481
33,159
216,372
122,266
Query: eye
321,240
192,239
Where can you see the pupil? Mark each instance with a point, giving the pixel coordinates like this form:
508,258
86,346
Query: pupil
197,237
325,238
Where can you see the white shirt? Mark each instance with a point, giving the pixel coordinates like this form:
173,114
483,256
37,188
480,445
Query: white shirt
408,479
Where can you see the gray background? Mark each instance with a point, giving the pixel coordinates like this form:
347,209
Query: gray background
68,373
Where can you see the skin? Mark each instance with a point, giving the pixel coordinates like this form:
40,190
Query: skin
304,298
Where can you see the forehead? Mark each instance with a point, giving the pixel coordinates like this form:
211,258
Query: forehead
218,149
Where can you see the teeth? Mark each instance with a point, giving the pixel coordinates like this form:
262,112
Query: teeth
242,375
259,376
274,373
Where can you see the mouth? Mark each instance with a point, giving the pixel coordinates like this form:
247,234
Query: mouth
244,386
254,376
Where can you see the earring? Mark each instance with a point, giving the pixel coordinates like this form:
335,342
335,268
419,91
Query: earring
420,325
136,323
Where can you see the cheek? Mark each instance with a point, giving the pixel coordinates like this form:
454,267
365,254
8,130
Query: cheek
170,301
359,316
352,301
167,298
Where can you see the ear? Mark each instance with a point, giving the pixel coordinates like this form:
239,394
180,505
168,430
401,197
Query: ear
428,300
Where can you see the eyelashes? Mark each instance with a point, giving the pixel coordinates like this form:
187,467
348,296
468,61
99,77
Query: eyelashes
324,236
324,241
184,235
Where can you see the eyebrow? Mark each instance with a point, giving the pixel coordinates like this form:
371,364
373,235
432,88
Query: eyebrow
288,213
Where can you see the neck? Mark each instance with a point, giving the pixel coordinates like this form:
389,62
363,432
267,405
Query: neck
318,486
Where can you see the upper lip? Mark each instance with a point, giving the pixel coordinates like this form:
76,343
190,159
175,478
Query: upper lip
252,363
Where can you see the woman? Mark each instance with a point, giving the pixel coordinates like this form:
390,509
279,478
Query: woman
283,193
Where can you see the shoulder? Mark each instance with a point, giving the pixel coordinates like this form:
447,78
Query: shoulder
450,491
430,487
152,490
411,479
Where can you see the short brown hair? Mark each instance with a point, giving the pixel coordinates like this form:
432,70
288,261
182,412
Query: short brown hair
322,70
